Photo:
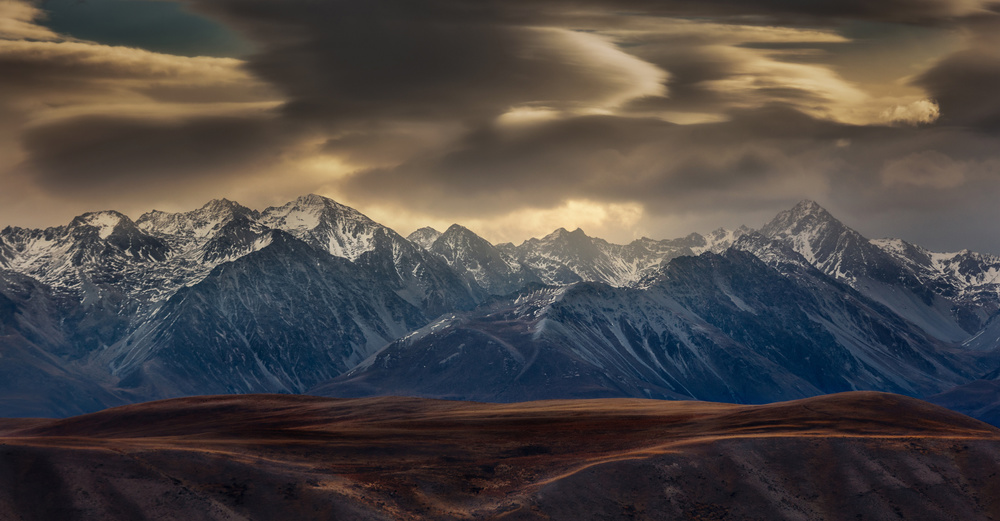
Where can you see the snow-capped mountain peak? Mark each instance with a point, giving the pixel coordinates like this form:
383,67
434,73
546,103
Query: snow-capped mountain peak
104,222
806,218
479,262
195,224
424,237
717,241
326,224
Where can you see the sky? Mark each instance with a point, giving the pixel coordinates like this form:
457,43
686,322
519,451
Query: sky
627,118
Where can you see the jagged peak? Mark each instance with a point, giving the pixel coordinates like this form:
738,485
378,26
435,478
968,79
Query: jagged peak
424,237
563,232
223,204
456,229
87,217
807,214
426,230
457,233
808,207
105,221
308,211
315,200
305,202
213,207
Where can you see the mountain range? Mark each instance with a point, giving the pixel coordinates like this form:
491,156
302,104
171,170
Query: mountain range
313,296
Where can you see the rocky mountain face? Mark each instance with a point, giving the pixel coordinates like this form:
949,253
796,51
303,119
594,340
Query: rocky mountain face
315,295
951,296
37,345
280,319
714,327
564,257
480,263
424,237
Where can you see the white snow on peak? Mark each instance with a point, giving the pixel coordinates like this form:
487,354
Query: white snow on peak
301,218
105,222
424,237
720,240
196,224
967,271
890,245
341,230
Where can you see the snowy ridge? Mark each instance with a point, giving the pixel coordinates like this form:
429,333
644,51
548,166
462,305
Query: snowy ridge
946,295
480,263
720,240
325,223
96,245
104,222
968,272
564,257
196,224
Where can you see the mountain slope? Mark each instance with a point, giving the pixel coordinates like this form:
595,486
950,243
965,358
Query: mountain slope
480,263
845,254
279,319
714,327
417,276
37,376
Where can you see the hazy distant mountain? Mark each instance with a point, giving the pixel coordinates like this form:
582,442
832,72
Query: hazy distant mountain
41,334
229,299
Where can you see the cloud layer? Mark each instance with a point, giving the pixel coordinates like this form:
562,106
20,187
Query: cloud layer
632,116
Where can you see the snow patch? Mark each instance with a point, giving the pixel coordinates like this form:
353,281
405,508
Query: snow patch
105,222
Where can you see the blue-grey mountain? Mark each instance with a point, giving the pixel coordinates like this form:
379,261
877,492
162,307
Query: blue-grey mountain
314,295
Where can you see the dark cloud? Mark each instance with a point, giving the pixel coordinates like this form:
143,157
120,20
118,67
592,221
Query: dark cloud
909,11
96,154
608,159
965,84
95,119
68,71
342,62
479,108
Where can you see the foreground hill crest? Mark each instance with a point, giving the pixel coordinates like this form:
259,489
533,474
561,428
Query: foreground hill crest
280,457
